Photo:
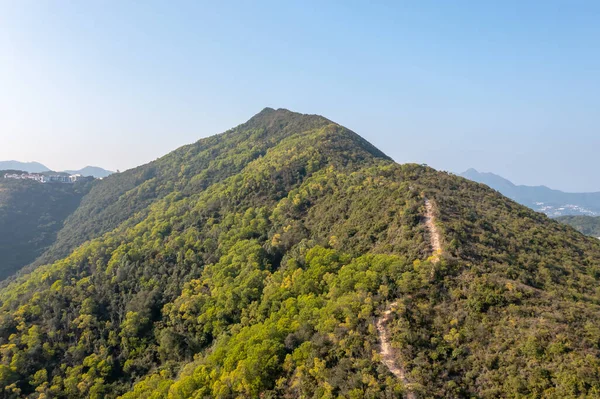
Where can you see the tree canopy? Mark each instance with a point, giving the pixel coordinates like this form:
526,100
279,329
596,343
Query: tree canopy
588,225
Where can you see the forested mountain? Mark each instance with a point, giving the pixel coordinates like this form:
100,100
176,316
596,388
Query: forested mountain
31,214
587,225
255,264
188,170
553,203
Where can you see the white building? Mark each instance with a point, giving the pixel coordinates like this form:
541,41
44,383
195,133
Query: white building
46,178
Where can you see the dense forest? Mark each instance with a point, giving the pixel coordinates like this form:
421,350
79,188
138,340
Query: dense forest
588,225
254,264
31,214
190,169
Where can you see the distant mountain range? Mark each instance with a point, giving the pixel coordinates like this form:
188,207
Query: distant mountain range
36,167
31,167
553,203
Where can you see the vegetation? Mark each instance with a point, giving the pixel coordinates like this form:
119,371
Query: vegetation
31,214
513,312
588,225
254,264
188,170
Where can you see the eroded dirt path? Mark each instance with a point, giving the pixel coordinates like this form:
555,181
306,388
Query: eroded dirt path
388,355
434,234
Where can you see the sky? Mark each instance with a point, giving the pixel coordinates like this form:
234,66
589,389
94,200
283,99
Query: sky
510,87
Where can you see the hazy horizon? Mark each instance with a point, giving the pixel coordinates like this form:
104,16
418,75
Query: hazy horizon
506,88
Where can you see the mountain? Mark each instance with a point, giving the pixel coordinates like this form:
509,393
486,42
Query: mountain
587,225
91,171
31,214
540,198
31,167
290,258
185,171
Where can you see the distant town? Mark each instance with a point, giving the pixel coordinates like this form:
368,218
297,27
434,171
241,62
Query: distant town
48,178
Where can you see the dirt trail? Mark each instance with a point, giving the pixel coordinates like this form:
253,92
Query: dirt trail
388,355
434,234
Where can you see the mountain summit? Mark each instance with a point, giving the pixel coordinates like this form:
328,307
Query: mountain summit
195,167
288,257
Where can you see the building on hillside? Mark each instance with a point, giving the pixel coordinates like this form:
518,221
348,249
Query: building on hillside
74,178
24,176
47,178
79,177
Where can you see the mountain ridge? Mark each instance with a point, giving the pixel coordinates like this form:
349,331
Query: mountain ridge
117,194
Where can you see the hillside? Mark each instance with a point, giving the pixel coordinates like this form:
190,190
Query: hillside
31,214
553,203
587,225
188,170
256,263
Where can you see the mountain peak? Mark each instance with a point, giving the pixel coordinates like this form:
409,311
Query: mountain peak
281,117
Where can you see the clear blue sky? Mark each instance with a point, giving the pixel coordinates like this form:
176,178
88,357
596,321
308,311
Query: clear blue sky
511,87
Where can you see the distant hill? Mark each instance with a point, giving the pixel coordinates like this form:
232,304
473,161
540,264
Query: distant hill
95,171
36,167
554,203
31,167
588,225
